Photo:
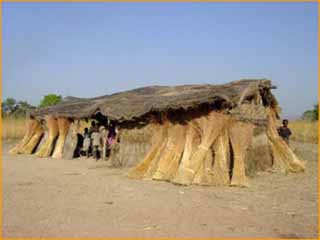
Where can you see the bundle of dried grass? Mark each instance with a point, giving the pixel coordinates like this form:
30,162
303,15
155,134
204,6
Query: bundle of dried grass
210,128
158,142
71,140
191,143
284,159
154,164
259,157
133,145
63,125
240,136
203,175
220,171
170,157
34,141
32,126
53,130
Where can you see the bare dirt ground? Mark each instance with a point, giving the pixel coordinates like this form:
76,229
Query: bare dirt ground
82,198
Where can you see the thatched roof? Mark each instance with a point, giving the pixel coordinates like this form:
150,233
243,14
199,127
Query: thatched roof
133,104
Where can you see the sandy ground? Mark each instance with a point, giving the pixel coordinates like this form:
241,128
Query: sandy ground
82,198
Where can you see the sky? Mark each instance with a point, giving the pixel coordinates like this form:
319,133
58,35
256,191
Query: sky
92,49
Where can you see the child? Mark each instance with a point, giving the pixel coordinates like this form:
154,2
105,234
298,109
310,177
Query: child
103,134
284,131
86,142
96,143
111,135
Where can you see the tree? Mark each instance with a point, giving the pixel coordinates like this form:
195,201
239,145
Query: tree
50,99
308,115
316,111
22,108
311,115
8,105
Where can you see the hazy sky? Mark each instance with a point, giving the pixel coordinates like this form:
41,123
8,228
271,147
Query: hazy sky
90,49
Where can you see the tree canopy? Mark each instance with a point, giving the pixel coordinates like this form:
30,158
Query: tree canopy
50,99
11,107
311,115
14,108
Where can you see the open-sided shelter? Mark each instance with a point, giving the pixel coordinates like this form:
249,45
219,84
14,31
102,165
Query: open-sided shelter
189,134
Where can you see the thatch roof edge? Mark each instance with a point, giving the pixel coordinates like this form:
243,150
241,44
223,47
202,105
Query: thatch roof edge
130,105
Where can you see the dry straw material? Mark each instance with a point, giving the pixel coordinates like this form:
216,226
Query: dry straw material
53,131
158,144
240,136
63,125
31,129
283,157
220,170
31,145
215,135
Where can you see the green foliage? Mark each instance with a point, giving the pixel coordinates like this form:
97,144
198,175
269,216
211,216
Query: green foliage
316,111
10,107
13,108
22,108
50,99
311,115
308,115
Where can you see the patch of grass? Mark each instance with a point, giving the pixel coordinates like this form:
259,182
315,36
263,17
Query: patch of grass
304,131
13,128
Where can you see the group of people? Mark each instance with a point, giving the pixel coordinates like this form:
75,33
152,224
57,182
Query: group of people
98,140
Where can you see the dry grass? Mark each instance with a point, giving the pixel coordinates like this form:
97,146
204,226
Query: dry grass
304,131
13,128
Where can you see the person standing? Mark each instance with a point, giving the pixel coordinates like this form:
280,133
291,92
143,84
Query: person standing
86,142
96,142
93,128
284,131
112,133
103,133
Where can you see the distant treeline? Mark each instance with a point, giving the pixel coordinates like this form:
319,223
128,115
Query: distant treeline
10,107
311,115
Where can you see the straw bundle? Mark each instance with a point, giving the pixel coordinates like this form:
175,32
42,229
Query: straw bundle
53,131
240,136
259,157
32,126
154,164
158,143
210,128
63,125
34,141
215,168
191,143
133,145
71,140
203,175
170,157
284,159
220,170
